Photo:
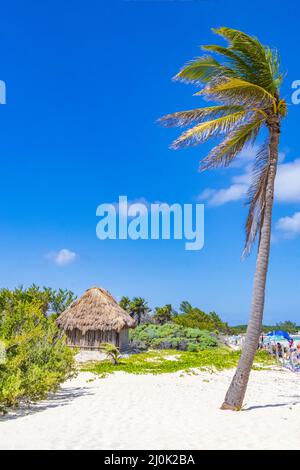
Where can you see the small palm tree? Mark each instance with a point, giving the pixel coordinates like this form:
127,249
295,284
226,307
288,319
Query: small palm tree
247,86
111,351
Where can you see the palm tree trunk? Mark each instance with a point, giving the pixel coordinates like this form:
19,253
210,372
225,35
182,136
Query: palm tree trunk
237,389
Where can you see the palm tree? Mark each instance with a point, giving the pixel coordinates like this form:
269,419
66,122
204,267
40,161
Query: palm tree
125,303
164,314
246,83
139,309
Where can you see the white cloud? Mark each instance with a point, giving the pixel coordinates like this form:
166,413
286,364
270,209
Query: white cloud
287,186
289,226
236,191
62,257
217,198
244,178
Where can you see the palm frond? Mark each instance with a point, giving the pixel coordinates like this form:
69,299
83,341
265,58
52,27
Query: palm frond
203,131
261,59
235,91
184,118
226,151
248,45
236,61
257,196
202,70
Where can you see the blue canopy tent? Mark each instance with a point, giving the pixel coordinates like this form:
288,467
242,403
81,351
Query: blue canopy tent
280,334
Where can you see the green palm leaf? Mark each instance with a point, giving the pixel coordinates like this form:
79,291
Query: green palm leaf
203,131
226,151
202,70
261,59
184,118
238,92
236,61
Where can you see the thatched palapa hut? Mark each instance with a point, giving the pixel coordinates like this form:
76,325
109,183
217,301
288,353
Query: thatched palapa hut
95,318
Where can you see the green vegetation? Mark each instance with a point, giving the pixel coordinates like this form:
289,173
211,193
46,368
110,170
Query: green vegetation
164,314
161,362
188,316
172,336
287,325
52,301
193,317
34,357
111,351
137,308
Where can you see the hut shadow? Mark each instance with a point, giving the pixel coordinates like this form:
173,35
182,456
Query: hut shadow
60,398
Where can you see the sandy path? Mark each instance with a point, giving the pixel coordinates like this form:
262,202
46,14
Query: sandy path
160,412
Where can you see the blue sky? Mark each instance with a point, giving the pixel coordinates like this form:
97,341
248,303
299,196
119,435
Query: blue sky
85,83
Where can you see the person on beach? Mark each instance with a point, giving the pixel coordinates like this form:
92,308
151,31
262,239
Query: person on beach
298,352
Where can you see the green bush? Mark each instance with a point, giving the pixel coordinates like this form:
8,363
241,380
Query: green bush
172,336
51,301
36,358
193,317
192,347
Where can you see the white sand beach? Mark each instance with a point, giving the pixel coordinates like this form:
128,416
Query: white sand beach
168,411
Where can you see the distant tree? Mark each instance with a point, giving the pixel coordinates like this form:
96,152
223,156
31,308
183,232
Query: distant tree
59,300
288,326
51,301
138,309
193,317
220,325
185,307
239,329
31,294
164,314
125,303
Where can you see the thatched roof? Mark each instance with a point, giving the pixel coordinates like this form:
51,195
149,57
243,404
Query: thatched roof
95,310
